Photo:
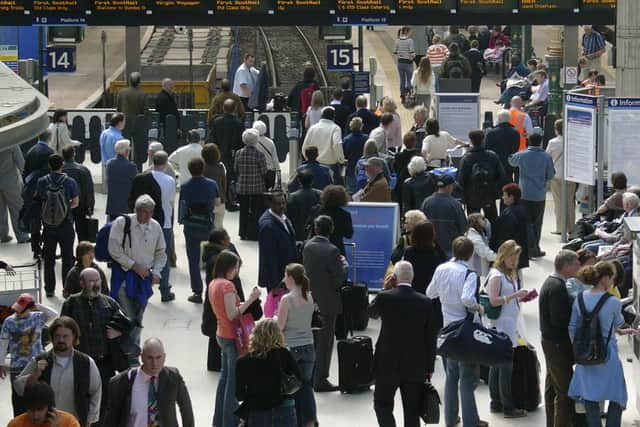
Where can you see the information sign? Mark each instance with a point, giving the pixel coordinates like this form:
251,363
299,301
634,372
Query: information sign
61,59
580,137
360,82
339,57
624,128
9,55
458,113
549,6
488,6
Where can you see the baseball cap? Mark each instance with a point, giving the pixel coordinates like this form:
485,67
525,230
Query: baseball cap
444,180
23,302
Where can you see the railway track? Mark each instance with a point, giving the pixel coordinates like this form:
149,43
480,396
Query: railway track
287,51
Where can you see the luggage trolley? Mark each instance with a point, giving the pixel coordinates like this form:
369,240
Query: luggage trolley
27,278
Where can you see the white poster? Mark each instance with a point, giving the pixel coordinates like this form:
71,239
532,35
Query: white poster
580,138
624,128
458,113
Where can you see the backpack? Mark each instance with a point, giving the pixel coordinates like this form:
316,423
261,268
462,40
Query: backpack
481,183
102,239
455,69
589,346
55,203
305,97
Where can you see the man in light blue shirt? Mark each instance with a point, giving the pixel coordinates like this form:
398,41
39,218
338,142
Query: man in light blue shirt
246,77
536,169
541,91
110,136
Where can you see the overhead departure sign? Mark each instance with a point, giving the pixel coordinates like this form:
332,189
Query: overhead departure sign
425,6
599,5
488,6
549,6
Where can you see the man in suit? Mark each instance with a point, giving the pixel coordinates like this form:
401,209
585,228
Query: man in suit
120,173
369,120
327,271
226,132
342,111
301,202
132,102
82,176
149,392
405,350
166,104
11,166
162,189
504,140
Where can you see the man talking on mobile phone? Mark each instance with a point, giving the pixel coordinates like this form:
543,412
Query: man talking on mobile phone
39,400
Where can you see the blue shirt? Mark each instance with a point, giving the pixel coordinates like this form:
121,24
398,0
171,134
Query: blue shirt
591,43
321,176
198,190
70,187
536,168
352,146
108,140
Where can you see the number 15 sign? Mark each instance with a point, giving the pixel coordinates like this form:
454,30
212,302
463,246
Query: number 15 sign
340,57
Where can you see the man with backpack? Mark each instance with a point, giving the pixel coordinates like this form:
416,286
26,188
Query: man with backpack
480,176
300,96
555,313
56,195
455,66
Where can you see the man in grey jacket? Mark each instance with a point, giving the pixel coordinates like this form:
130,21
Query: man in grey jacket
327,270
11,166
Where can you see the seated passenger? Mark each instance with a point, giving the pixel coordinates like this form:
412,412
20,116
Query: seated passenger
630,203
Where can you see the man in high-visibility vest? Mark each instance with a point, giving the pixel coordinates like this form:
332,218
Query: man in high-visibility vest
520,121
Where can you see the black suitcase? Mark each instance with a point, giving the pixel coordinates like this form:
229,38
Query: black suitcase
355,364
92,229
525,383
355,299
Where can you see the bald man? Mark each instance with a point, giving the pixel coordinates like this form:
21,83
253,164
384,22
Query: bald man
224,94
146,396
521,121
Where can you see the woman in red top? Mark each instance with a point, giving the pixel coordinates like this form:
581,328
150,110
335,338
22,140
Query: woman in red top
227,307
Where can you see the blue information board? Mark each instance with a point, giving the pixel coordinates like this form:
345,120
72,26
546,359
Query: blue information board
61,59
375,233
339,57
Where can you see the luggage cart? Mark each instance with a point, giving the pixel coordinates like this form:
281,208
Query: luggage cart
26,278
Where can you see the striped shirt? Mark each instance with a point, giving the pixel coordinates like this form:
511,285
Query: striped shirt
437,53
592,43
404,48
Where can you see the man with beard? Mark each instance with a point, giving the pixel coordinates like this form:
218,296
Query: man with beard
73,375
94,314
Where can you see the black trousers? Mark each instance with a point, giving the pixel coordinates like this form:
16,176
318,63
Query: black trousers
489,210
36,235
251,207
323,339
383,397
535,212
106,372
63,236
81,223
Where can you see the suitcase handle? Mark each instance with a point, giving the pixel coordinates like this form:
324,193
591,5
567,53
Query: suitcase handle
353,259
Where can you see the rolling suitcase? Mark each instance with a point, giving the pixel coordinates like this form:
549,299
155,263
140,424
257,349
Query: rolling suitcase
525,383
355,299
355,364
92,229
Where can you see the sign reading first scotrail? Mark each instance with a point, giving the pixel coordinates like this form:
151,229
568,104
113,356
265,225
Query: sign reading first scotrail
306,12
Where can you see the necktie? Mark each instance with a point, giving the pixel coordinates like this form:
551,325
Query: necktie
152,405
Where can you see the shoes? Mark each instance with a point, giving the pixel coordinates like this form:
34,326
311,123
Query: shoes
6,239
195,298
483,423
540,254
50,294
557,233
516,413
324,387
168,297
232,207
27,240
495,407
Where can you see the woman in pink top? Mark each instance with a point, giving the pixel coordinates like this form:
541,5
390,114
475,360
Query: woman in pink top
227,307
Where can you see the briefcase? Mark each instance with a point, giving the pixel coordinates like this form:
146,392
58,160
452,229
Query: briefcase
92,229
430,412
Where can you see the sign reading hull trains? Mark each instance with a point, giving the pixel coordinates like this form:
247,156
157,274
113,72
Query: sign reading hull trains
307,12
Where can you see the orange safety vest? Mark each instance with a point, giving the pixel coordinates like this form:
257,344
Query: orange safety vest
517,121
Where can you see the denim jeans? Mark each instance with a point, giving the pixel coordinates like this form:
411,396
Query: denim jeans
405,70
614,414
336,172
352,185
64,236
135,312
467,376
165,288
280,416
192,240
500,386
305,357
226,403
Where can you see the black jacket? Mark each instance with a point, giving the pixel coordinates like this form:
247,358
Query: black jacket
512,224
341,117
144,183
369,120
293,101
424,262
416,189
400,163
299,207
476,60
226,131
349,100
342,225
555,310
503,140
489,161
165,105
37,159
405,350
82,175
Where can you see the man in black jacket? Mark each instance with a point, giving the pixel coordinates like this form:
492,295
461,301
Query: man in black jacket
504,140
130,391
82,175
166,104
405,350
308,81
555,313
480,175
401,162
369,120
301,202
226,131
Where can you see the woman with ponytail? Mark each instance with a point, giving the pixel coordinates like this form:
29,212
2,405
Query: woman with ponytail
294,319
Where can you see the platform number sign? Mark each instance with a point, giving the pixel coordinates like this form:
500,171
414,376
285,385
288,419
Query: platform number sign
340,57
61,59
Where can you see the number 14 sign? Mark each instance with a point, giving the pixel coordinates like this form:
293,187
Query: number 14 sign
340,57
61,59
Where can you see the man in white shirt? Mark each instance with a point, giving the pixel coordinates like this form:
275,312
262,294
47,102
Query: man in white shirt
456,284
556,150
540,93
73,375
327,136
147,396
244,82
181,157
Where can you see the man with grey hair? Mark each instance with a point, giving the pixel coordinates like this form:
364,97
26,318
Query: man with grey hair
620,245
555,313
166,104
405,350
369,120
419,128
138,262
120,172
153,148
504,140
162,189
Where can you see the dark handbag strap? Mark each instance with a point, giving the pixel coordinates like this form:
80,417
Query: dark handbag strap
596,310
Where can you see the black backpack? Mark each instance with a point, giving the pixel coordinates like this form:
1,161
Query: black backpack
589,346
55,203
481,183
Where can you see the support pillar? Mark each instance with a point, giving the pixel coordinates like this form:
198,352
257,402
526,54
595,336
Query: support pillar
554,60
571,50
628,46
132,49
516,42
527,45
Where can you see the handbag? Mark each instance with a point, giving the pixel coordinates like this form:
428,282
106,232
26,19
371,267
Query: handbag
289,382
244,326
490,311
469,342
410,99
430,411
317,319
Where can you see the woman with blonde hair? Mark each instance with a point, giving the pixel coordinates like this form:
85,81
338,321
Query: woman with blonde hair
394,132
314,111
502,287
259,379
423,83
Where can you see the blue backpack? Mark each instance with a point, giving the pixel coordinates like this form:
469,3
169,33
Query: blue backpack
102,239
